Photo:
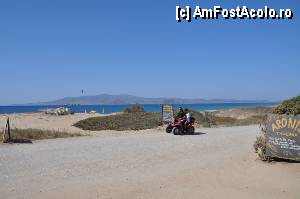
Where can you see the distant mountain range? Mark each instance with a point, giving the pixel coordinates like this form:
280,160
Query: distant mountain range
106,99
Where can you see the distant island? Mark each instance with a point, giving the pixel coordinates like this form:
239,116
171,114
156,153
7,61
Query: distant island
107,99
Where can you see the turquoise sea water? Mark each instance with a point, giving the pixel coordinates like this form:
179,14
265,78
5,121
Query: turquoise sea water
119,108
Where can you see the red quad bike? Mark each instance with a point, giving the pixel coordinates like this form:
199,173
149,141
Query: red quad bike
178,127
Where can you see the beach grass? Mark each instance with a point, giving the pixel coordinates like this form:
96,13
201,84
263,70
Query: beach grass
23,135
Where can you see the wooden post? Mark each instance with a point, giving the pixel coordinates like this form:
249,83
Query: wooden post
8,130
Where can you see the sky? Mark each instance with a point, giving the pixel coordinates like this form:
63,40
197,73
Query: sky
53,49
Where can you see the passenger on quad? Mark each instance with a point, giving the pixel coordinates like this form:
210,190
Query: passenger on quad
187,117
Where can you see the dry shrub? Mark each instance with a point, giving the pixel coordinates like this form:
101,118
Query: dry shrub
135,108
260,144
230,121
225,121
210,120
38,134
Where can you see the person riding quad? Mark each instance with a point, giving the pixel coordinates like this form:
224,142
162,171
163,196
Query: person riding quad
181,114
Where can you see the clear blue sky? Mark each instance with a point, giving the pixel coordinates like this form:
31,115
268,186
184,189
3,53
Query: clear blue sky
53,49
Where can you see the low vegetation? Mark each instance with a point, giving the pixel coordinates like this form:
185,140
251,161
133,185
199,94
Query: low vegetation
121,122
230,121
26,135
260,144
133,118
209,119
136,108
291,106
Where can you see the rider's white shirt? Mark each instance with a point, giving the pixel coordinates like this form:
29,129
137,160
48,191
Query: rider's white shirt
188,116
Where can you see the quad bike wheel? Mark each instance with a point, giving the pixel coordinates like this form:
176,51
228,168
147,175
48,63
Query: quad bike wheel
169,129
176,131
191,130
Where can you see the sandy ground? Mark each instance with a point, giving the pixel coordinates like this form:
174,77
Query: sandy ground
216,163
46,122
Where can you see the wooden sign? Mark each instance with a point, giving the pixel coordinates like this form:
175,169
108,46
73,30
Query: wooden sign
283,137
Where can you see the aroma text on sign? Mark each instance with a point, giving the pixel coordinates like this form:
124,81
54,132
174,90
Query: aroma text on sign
290,123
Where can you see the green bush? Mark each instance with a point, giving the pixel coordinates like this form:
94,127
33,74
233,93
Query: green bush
120,122
135,108
291,106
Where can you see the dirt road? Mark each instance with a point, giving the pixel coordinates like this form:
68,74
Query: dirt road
216,163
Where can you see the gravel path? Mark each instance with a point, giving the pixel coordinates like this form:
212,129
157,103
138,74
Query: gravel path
216,163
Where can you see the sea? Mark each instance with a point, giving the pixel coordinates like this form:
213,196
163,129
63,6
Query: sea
107,109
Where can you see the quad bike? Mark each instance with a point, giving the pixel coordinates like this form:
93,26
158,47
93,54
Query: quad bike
181,127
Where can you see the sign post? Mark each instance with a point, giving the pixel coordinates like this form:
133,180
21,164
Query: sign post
283,137
167,113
